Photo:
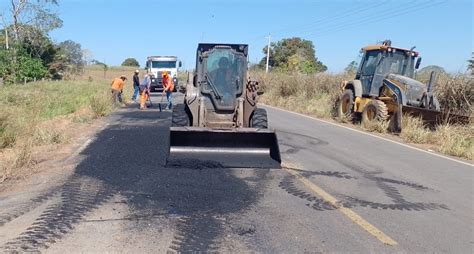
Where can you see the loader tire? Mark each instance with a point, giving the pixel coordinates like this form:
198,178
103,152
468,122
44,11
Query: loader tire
375,110
345,106
179,117
259,119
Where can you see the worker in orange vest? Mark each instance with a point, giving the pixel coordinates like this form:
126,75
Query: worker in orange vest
117,88
168,87
145,89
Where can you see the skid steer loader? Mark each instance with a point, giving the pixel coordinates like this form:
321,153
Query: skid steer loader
384,87
219,120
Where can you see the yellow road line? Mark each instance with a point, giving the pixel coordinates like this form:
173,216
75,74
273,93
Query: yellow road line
357,219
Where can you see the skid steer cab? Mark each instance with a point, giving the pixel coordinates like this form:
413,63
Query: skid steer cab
219,120
384,87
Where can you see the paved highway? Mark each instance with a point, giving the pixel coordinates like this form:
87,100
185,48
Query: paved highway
340,190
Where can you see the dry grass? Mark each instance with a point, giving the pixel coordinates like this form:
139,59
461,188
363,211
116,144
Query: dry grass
38,114
456,93
414,131
449,139
309,94
316,95
456,140
376,126
96,73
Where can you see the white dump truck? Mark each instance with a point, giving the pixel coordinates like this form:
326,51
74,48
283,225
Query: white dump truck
157,65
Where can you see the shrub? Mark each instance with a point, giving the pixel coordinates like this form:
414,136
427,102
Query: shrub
101,104
413,130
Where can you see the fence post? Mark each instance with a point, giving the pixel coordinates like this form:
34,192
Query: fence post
25,80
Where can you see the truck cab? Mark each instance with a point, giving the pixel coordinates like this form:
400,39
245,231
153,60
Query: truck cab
157,65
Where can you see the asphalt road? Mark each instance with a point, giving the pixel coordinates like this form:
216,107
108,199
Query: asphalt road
339,191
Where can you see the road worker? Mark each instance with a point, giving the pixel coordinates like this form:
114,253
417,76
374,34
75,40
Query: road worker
145,89
136,85
117,88
168,87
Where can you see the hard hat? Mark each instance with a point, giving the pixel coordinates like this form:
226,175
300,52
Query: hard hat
137,71
165,73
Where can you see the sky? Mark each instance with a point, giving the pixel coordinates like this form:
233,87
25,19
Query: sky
441,30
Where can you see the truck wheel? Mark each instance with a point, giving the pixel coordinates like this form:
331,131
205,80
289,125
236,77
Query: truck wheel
259,119
375,110
179,117
345,105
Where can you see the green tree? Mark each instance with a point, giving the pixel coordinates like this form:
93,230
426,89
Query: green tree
31,50
131,62
72,54
26,67
293,54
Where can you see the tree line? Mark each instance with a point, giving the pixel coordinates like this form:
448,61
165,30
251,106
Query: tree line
26,50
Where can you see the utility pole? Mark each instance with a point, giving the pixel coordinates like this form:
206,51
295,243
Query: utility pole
268,53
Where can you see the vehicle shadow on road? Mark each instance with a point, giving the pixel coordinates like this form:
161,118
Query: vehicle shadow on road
127,159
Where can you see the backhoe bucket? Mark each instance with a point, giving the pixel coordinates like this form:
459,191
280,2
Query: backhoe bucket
433,117
239,148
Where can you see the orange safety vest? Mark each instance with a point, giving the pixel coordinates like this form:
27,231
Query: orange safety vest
168,83
117,84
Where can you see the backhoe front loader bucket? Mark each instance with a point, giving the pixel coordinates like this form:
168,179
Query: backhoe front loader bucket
240,147
433,117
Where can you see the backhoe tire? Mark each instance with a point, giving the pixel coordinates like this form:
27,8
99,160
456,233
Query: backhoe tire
375,110
259,119
345,106
179,117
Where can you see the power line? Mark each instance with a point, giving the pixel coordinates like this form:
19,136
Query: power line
330,18
346,26
324,20
386,14
380,14
369,18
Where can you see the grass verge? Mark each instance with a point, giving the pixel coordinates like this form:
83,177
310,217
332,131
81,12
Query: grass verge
41,114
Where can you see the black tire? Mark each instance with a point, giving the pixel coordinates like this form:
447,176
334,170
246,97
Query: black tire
375,110
179,117
345,105
259,119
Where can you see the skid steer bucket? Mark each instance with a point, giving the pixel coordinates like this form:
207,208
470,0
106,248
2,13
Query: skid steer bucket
241,148
433,117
